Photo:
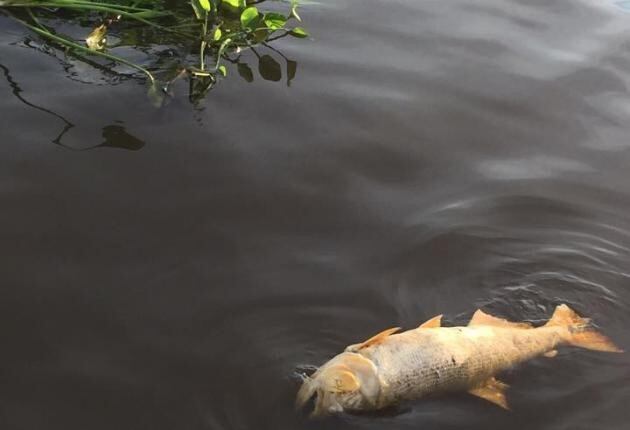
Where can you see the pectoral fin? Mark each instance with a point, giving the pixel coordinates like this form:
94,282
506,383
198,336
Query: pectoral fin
482,318
432,323
493,391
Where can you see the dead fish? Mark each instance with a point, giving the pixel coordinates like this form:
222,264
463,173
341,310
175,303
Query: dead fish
389,368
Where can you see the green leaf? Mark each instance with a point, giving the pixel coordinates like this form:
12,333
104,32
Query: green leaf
236,4
205,5
299,32
249,17
260,35
217,34
275,20
223,70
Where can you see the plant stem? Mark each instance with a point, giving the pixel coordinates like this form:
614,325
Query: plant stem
222,49
95,7
112,5
73,45
202,51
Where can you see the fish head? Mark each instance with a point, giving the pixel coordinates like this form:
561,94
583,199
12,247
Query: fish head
348,382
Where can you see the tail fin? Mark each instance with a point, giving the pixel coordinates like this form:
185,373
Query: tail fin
579,332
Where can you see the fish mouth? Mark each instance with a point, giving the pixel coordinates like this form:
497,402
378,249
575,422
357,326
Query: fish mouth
346,381
306,395
307,403
308,408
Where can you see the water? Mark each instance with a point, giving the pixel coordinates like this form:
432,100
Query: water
172,268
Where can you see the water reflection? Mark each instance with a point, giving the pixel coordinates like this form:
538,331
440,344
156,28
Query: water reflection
267,65
17,92
114,135
269,68
117,137
536,167
624,5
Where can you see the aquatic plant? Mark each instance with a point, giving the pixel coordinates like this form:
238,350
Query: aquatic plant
214,29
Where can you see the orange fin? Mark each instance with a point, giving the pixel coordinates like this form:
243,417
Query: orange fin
580,334
565,316
482,318
551,354
374,340
591,339
432,323
493,391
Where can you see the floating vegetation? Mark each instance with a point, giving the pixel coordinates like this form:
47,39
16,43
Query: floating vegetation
177,39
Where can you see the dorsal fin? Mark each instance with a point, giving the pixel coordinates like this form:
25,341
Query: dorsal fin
377,338
482,318
432,323
565,316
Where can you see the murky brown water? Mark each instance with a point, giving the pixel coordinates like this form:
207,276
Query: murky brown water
429,157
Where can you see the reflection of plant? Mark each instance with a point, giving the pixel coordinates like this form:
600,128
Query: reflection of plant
219,28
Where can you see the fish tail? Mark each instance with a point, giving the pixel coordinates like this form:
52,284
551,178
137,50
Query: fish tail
579,331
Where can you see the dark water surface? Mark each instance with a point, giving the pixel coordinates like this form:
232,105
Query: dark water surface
429,157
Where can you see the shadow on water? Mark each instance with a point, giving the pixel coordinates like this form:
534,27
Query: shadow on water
117,137
268,67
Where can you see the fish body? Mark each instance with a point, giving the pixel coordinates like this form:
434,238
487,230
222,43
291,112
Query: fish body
424,361
389,368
